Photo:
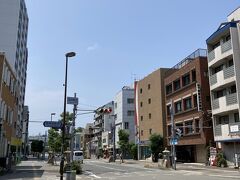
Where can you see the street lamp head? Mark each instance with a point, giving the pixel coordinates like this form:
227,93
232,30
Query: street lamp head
70,54
53,114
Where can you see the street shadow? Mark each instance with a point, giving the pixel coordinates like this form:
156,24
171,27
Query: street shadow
24,172
19,168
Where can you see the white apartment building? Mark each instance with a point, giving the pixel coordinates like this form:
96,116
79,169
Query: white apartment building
224,78
13,35
103,123
124,113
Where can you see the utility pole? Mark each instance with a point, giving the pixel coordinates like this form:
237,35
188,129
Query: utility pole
73,128
173,137
138,141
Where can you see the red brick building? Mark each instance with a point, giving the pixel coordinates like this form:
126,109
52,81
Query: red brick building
188,89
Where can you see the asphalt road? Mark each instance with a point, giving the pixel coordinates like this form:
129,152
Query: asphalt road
96,169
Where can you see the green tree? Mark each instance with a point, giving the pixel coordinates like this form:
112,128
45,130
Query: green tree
133,150
123,141
54,140
156,146
79,129
37,146
68,119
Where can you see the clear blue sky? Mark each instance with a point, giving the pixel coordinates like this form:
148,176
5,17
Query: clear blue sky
113,39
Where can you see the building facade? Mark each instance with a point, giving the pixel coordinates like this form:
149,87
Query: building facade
224,70
103,122
187,92
150,108
25,141
9,142
87,144
124,113
13,35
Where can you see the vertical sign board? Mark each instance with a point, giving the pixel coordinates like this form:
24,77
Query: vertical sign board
72,100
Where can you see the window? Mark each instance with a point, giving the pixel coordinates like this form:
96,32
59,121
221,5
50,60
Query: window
130,113
236,117
115,105
149,86
219,94
126,125
104,140
150,131
195,103
176,84
141,91
178,106
216,45
186,79
149,115
189,128
193,75
141,132
168,109
230,63
217,69
141,118
187,103
169,130
130,100
227,38
233,89
149,101
197,125
222,120
141,104
169,89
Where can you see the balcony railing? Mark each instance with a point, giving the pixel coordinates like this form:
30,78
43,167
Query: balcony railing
213,79
211,56
218,130
226,46
228,72
231,99
215,104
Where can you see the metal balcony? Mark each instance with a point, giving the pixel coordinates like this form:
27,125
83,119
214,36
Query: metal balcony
228,72
211,56
226,46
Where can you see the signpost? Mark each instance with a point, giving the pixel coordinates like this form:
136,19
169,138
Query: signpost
53,124
72,100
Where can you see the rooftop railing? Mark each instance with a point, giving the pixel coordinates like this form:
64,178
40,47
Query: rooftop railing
191,57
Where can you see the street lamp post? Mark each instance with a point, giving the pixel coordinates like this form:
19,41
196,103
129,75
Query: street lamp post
70,54
52,114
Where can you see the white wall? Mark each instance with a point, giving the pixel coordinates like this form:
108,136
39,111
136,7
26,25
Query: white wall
121,112
9,13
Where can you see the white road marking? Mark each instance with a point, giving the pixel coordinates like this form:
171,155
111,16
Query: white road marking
88,173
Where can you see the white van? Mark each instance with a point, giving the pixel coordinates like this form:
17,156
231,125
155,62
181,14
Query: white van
78,156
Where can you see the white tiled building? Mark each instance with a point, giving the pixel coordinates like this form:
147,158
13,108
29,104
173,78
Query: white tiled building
13,36
124,113
224,78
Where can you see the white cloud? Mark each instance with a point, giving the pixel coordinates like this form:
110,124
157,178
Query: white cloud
93,47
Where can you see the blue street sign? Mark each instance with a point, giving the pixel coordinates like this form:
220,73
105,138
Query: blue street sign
53,124
174,141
